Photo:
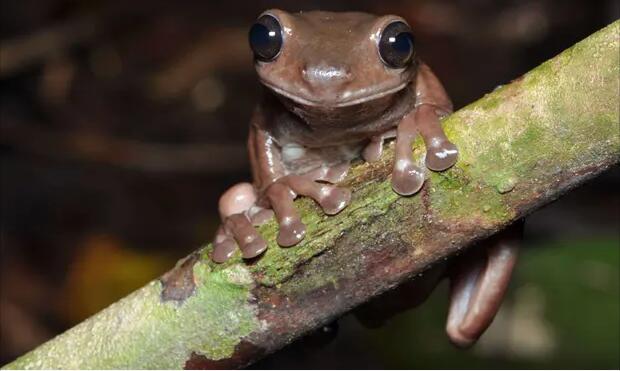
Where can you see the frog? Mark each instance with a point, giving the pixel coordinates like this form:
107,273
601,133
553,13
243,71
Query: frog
336,87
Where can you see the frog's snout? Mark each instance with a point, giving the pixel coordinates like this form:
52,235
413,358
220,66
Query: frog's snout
325,75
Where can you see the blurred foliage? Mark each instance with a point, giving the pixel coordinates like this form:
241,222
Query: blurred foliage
103,271
562,312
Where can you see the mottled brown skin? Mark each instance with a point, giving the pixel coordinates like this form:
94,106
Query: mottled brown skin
329,98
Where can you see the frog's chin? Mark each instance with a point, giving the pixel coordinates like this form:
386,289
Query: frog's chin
334,103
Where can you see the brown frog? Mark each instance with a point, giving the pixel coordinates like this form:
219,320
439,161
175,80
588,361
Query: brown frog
336,86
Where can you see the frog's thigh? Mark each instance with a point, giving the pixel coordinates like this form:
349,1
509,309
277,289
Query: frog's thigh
237,199
478,286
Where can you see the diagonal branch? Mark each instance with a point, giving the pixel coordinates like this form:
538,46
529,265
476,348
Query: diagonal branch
521,147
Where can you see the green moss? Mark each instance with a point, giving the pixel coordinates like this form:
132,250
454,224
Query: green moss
492,100
141,331
464,200
533,126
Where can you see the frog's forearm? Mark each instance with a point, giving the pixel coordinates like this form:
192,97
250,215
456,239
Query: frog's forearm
265,157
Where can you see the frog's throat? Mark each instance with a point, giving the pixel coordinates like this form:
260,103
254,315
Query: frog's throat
337,104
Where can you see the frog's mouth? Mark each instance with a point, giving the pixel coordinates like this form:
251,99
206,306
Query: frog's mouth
334,103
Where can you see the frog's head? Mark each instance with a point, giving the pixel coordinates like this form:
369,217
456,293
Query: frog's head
332,60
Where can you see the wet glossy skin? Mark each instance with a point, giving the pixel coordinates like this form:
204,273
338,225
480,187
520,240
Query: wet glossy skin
329,98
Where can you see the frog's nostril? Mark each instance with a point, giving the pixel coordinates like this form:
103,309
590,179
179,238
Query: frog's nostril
326,74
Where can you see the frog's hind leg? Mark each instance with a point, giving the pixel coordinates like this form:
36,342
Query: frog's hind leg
237,208
478,284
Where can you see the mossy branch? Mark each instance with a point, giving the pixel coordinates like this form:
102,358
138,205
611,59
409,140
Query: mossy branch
521,147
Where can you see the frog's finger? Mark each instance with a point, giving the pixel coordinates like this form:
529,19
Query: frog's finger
331,174
407,177
374,149
292,230
249,240
336,173
441,154
331,198
223,246
259,216
478,288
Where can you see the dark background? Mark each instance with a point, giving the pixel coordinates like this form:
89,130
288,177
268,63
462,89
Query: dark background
123,121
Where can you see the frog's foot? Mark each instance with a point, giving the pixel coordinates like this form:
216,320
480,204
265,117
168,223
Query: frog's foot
441,154
283,192
237,230
240,215
330,174
478,284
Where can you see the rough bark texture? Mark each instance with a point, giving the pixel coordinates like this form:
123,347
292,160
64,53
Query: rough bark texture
521,147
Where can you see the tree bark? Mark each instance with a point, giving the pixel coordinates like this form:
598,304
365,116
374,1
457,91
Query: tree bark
521,147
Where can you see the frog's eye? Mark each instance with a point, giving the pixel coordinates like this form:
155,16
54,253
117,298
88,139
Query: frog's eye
396,45
266,38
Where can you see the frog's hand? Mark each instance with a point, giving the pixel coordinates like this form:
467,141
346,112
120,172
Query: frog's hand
432,102
478,284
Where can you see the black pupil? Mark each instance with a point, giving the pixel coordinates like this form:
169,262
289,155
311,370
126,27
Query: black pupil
402,44
266,38
396,45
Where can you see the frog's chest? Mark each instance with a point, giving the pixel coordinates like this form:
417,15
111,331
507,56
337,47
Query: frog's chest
298,159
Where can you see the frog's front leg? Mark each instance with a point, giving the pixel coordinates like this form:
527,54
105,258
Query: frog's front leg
432,102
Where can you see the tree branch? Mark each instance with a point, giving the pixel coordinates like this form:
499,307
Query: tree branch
521,147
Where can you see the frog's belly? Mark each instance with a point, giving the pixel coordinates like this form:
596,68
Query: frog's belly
298,159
